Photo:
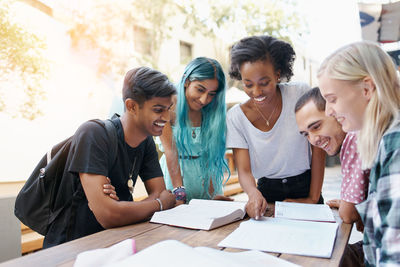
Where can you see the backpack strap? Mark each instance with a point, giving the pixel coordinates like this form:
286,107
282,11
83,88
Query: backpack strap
79,192
112,135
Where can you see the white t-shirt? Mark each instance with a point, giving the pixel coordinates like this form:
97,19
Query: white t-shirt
278,153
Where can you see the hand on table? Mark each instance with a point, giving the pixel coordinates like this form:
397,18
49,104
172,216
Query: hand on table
109,190
167,199
334,203
257,205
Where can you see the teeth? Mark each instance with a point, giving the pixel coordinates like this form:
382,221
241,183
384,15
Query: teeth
160,124
259,99
323,146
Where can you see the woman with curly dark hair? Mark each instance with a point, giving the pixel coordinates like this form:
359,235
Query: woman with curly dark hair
263,133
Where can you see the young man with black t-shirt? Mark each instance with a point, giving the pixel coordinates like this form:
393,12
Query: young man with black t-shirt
147,95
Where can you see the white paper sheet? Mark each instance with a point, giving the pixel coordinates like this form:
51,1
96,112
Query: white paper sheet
284,236
305,212
170,253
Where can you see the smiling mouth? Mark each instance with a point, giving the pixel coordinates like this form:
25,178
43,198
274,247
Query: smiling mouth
199,104
160,124
324,146
259,99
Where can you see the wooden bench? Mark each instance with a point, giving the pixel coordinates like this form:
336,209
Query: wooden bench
232,186
30,240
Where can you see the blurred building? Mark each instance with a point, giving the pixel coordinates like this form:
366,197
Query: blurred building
380,22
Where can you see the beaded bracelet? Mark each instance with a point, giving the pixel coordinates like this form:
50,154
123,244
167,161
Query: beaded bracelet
159,202
180,193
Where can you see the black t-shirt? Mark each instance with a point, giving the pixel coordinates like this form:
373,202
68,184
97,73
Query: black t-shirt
89,153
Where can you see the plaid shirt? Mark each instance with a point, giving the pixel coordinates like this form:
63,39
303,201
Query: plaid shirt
380,213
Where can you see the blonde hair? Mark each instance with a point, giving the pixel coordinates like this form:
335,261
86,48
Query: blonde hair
353,63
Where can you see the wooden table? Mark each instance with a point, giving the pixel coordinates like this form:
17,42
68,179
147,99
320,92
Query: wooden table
147,234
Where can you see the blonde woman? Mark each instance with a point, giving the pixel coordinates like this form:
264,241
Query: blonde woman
362,91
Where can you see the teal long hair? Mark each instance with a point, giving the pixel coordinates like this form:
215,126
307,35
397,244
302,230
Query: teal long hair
213,122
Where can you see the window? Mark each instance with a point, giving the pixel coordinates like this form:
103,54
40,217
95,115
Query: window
141,40
185,52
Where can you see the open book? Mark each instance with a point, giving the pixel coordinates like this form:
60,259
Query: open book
281,235
202,214
166,253
305,212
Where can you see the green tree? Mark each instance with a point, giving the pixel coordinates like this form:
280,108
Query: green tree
236,19
22,64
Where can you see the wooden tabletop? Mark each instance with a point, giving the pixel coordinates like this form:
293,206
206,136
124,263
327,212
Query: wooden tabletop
146,234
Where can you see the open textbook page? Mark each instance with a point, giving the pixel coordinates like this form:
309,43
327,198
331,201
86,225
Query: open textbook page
279,235
305,212
202,214
168,251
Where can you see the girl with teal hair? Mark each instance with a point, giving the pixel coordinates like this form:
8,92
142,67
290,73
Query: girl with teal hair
193,141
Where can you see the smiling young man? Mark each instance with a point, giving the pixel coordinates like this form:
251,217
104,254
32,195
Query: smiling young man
147,95
326,132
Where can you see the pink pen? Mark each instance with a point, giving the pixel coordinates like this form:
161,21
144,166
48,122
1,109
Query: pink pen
133,246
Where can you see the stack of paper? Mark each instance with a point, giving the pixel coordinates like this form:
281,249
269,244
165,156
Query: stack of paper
299,235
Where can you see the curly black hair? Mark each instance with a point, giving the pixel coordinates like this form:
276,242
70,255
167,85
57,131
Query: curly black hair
264,47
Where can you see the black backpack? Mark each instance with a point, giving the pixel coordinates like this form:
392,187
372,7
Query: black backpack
35,204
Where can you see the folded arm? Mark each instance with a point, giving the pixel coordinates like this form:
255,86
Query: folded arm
111,213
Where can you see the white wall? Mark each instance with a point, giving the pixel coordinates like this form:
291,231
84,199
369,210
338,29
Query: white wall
10,230
74,95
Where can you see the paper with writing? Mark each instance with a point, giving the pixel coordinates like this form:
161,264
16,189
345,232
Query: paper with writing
279,235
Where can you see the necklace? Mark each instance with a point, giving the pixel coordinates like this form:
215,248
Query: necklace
130,182
194,134
262,115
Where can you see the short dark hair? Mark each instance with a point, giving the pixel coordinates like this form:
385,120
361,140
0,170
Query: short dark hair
254,48
143,83
314,95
